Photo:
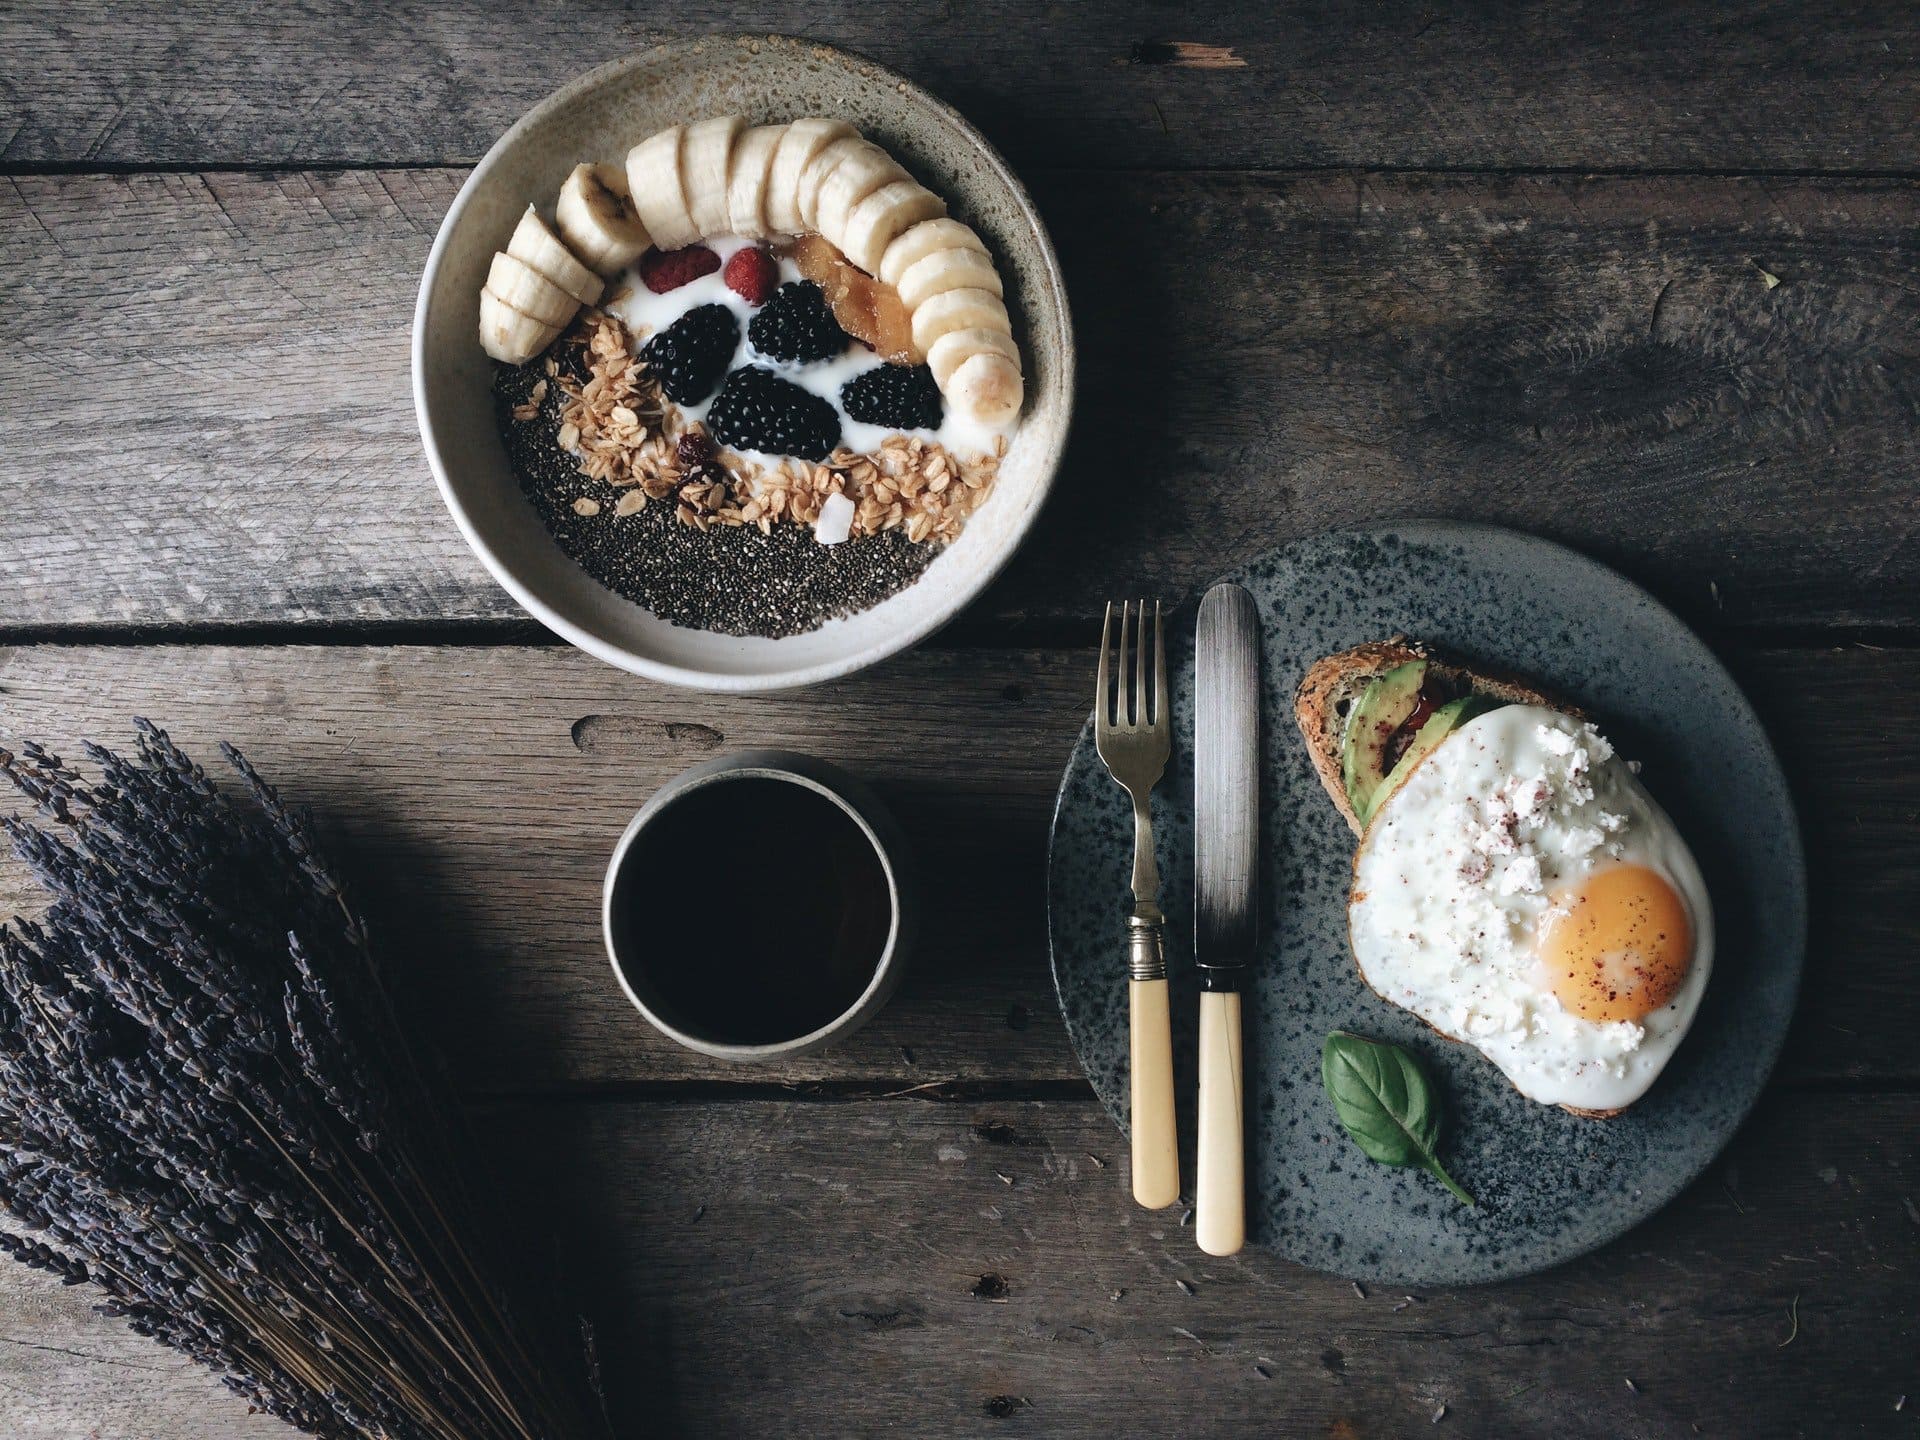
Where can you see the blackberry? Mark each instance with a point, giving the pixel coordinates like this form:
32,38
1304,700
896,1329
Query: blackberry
902,396
757,410
797,325
689,356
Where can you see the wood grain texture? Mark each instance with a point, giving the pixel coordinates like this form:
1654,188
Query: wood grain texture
479,790
978,1269
1577,83
1597,360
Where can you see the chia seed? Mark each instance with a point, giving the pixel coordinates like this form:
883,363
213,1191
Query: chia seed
728,578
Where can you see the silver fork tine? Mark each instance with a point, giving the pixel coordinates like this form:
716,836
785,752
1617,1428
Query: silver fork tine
1103,693
1143,678
1121,701
1159,668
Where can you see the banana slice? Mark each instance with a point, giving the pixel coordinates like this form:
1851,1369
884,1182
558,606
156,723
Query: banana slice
829,159
706,160
747,180
803,141
541,250
518,284
919,241
958,310
510,335
863,168
947,270
597,218
956,347
872,224
988,387
654,178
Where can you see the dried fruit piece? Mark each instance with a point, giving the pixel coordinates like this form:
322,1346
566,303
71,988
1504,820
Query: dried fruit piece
868,309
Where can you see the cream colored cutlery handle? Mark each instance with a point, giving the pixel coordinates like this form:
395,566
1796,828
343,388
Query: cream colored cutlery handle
1220,1193
1156,1158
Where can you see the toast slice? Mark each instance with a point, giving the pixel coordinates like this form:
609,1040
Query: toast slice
1329,690
1332,686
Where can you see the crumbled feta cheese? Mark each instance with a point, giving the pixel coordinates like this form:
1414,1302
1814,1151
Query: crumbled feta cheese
1521,876
1555,740
1611,822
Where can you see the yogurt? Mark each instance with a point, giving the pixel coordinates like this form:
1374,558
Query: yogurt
646,314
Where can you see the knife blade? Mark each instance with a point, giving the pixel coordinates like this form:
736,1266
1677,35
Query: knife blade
1226,842
1226,784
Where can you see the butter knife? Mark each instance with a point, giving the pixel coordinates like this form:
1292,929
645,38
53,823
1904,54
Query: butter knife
1226,843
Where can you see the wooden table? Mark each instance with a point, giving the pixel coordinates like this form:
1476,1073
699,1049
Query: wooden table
1643,281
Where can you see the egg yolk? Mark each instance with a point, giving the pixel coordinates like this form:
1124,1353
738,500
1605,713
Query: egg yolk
1617,945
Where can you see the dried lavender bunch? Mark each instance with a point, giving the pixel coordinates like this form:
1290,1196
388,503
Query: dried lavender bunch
208,1111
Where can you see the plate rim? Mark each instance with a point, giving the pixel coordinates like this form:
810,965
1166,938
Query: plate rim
1436,531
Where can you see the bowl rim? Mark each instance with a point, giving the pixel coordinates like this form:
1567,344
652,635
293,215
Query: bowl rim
690,677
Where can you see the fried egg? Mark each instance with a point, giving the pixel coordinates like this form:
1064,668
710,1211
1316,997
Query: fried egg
1521,892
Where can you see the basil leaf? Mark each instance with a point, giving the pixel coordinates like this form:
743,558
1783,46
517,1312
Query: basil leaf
1386,1103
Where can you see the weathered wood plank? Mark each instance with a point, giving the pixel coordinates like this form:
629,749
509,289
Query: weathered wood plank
819,1270
1578,83
205,415
480,789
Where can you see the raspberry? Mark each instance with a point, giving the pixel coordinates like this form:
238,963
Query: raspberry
689,356
664,270
751,274
902,396
757,410
797,325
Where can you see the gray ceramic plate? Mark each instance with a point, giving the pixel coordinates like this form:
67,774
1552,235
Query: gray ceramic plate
1550,1185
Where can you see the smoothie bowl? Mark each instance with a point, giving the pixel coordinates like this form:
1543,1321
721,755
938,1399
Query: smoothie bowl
743,363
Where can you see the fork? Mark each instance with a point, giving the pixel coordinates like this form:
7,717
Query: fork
1134,735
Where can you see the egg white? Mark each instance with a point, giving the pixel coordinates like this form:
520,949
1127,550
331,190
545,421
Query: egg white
1446,918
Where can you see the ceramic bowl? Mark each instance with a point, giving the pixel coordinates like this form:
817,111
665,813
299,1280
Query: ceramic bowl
598,117
876,822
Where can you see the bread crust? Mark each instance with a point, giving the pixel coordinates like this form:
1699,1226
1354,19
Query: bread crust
1320,706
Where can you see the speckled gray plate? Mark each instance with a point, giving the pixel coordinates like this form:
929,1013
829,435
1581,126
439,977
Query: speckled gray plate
1550,1186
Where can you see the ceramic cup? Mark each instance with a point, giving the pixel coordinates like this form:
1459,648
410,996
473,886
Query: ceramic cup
640,951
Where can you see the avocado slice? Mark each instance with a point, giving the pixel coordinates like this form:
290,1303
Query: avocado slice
1442,723
1383,707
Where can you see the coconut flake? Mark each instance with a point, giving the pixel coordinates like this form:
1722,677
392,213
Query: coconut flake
836,520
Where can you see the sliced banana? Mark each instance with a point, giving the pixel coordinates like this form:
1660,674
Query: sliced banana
706,162
919,241
542,251
747,180
947,270
958,310
954,348
803,141
872,224
830,158
863,168
988,387
528,291
597,218
654,178
510,335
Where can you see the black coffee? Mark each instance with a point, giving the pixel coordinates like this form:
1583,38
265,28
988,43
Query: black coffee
751,911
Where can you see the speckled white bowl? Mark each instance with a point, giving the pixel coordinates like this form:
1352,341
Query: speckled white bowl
597,117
